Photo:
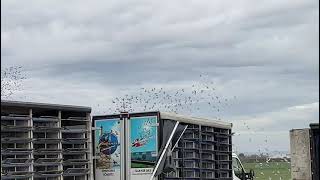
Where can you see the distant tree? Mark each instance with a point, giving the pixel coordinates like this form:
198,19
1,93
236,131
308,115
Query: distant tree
11,81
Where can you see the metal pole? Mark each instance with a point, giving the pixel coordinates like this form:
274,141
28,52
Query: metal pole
180,137
125,168
122,149
165,149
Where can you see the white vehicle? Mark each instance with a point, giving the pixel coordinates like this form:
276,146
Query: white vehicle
238,170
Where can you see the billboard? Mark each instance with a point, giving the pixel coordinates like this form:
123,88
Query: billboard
107,149
144,147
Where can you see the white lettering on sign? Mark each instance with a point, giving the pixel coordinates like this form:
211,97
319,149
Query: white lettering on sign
108,172
139,171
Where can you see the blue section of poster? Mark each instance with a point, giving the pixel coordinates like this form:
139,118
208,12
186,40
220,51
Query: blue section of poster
143,141
107,142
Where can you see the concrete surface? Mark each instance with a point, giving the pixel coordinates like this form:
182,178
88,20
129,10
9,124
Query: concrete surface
300,154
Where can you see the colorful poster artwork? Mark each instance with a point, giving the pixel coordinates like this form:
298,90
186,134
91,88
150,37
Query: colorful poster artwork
107,147
143,142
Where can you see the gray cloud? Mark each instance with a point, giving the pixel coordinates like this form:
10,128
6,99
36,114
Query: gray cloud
265,53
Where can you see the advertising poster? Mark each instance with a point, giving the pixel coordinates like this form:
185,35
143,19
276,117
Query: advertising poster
107,148
143,146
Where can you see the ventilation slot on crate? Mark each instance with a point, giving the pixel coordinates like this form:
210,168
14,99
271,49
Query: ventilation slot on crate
15,162
16,151
45,119
48,161
74,129
47,174
16,175
75,172
76,162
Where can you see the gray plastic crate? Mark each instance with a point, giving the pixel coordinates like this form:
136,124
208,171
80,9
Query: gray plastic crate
223,157
191,135
191,145
207,174
207,137
191,173
191,164
225,173
224,148
206,146
207,129
208,165
223,139
207,156
225,165
191,155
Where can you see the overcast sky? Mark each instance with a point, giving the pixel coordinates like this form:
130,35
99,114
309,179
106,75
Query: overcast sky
87,52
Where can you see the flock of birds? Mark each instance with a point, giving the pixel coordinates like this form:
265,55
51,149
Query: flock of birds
11,80
199,95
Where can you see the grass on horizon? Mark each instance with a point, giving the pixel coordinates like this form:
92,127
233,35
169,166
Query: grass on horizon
270,171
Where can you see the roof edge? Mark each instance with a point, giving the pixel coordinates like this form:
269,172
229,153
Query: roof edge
196,120
45,106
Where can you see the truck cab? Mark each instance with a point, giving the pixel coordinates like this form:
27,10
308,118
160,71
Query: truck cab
238,170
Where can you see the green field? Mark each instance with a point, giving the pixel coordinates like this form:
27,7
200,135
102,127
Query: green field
271,170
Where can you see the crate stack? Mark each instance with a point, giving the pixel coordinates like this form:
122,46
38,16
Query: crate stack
45,141
203,152
16,146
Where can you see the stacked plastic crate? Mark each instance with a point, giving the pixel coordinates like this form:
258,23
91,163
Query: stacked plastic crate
45,141
203,152
75,147
16,147
224,152
46,145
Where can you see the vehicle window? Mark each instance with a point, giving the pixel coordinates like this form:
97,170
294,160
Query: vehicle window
237,167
